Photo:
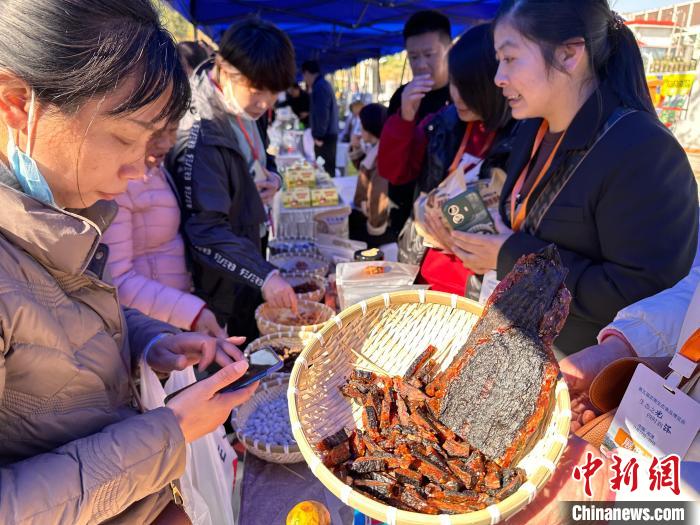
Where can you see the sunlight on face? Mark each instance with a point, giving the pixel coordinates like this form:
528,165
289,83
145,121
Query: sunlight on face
522,73
91,155
427,55
466,114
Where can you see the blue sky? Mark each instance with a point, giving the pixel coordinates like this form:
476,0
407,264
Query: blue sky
625,6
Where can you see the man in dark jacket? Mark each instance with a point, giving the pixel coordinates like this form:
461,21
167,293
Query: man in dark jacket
427,36
300,102
225,178
324,114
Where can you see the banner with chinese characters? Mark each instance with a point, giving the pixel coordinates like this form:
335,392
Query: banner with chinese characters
670,93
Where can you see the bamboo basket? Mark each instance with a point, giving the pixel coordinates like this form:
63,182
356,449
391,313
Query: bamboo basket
270,389
386,333
265,318
292,245
289,339
316,296
315,264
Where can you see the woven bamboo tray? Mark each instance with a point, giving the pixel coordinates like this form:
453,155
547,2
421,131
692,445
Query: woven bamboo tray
270,389
389,332
296,279
287,263
266,315
289,339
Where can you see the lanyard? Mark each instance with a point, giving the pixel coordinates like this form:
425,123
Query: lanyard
691,348
252,145
517,218
463,145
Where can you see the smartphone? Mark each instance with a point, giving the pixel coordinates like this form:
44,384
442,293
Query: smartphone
467,213
261,363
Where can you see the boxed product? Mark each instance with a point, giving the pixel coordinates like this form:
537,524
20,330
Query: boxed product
299,178
296,198
324,197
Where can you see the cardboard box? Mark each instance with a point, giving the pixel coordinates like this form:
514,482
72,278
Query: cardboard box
299,178
296,198
324,197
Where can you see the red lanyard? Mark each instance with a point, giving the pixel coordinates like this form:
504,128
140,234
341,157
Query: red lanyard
253,147
463,146
517,218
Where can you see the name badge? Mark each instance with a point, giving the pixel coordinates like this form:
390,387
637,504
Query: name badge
654,419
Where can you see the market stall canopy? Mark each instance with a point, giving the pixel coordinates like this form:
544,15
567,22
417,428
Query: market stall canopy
336,33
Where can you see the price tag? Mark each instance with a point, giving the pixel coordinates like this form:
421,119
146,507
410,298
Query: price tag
654,419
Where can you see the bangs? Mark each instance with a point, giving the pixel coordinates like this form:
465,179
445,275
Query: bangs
156,68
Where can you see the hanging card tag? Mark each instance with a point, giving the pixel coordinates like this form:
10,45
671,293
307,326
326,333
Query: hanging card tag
259,172
488,286
654,419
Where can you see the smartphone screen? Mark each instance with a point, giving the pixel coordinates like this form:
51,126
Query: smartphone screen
468,213
261,363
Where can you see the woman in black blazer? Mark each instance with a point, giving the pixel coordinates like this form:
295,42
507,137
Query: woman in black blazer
592,170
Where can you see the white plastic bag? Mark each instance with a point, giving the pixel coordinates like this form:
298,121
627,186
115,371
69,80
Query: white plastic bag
207,484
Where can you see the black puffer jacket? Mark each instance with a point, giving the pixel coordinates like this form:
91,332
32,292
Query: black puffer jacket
444,133
222,210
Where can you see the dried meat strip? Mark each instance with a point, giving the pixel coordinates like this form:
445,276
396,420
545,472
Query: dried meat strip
333,440
367,464
495,395
416,367
337,455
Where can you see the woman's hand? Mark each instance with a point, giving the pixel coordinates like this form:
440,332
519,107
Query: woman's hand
208,325
279,293
580,369
436,228
200,409
268,188
178,351
479,252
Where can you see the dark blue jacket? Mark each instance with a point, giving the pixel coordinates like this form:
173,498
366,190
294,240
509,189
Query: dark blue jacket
222,210
324,110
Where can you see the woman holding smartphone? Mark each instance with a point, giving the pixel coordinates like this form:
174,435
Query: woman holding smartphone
83,84
592,169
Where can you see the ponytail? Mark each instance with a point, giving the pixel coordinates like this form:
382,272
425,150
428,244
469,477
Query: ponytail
624,70
613,52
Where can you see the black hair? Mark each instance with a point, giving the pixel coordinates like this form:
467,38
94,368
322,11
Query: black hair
262,52
472,65
428,21
70,51
612,48
311,66
372,118
192,54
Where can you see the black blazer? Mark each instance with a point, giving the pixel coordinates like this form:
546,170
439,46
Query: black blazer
626,224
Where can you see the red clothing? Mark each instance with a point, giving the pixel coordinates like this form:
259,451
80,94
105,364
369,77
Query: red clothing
403,145
444,272
400,159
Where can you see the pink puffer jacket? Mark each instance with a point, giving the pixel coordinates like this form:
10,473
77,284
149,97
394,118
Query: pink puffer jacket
147,253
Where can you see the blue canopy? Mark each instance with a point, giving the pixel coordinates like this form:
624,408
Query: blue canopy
338,33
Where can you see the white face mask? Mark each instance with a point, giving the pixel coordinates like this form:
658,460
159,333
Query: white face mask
231,102
24,166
